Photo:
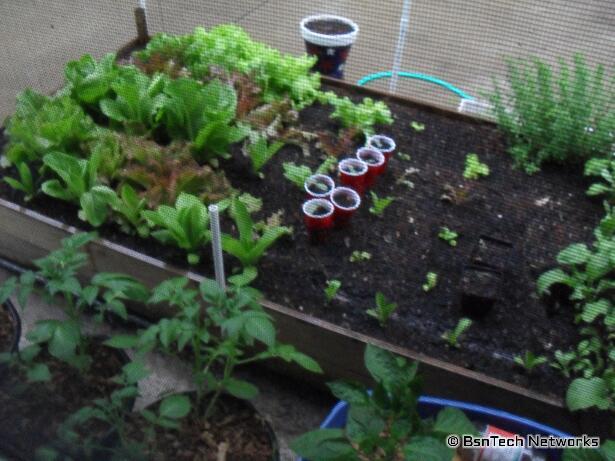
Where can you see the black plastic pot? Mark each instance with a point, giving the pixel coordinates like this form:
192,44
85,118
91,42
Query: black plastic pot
247,404
10,308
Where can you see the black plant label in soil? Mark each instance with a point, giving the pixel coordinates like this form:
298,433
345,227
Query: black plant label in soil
234,432
30,414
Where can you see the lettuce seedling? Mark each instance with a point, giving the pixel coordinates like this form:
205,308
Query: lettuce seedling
474,168
416,126
331,289
379,204
362,117
384,424
529,361
360,256
430,282
384,309
261,152
185,225
138,101
448,236
250,246
298,174
25,183
605,169
452,336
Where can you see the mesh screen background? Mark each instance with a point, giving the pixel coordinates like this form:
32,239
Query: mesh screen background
464,43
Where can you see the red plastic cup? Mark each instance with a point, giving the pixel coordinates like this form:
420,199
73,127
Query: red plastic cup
318,218
346,201
319,186
383,144
376,164
352,173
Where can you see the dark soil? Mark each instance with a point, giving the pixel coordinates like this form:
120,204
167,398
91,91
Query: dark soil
7,329
234,427
30,414
538,215
345,200
329,27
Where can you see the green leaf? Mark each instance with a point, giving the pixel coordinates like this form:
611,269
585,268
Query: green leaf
363,422
175,406
240,389
574,254
7,289
39,372
353,393
248,275
586,393
66,337
381,365
135,372
551,278
306,362
593,310
122,341
453,421
427,449
323,444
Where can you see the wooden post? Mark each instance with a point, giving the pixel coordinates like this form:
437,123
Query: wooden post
141,23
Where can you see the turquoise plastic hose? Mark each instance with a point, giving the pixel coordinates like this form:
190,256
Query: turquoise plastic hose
418,76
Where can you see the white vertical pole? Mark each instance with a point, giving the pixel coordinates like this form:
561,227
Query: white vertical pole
401,43
216,246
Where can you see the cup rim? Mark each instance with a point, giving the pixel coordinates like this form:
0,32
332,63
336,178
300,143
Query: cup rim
327,178
381,136
363,165
381,160
320,201
352,192
328,40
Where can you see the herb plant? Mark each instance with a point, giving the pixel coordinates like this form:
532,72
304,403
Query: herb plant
431,280
567,118
331,289
261,152
186,225
452,336
448,236
360,256
383,310
605,169
474,168
379,204
384,424
250,246
529,361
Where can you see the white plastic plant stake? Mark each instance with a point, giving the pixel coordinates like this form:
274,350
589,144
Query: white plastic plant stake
216,245
401,44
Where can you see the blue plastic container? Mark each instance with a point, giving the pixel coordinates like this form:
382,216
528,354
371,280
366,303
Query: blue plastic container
430,406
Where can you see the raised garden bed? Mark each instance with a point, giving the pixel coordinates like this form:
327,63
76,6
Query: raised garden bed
530,218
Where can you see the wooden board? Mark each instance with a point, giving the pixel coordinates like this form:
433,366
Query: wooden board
26,235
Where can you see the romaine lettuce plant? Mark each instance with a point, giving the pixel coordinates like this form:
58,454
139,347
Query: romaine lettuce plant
474,168
90,81
261,152
138,101
363,116
385,425
25,183
298,174
383,310
605,169
250,246
186,225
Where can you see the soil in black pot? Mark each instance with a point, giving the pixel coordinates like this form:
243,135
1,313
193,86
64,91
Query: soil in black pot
7,329
329,27
235,428
30,414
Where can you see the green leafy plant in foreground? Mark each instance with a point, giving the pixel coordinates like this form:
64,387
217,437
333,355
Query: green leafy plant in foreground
363,116
261,152
56,274
568,118
588,273
474,168
529,361
88,80
185,225
298,174
452,336
384,424
431,280
448,236
222,329
331,289
25,183
379,204
416,126
383,310
250,246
